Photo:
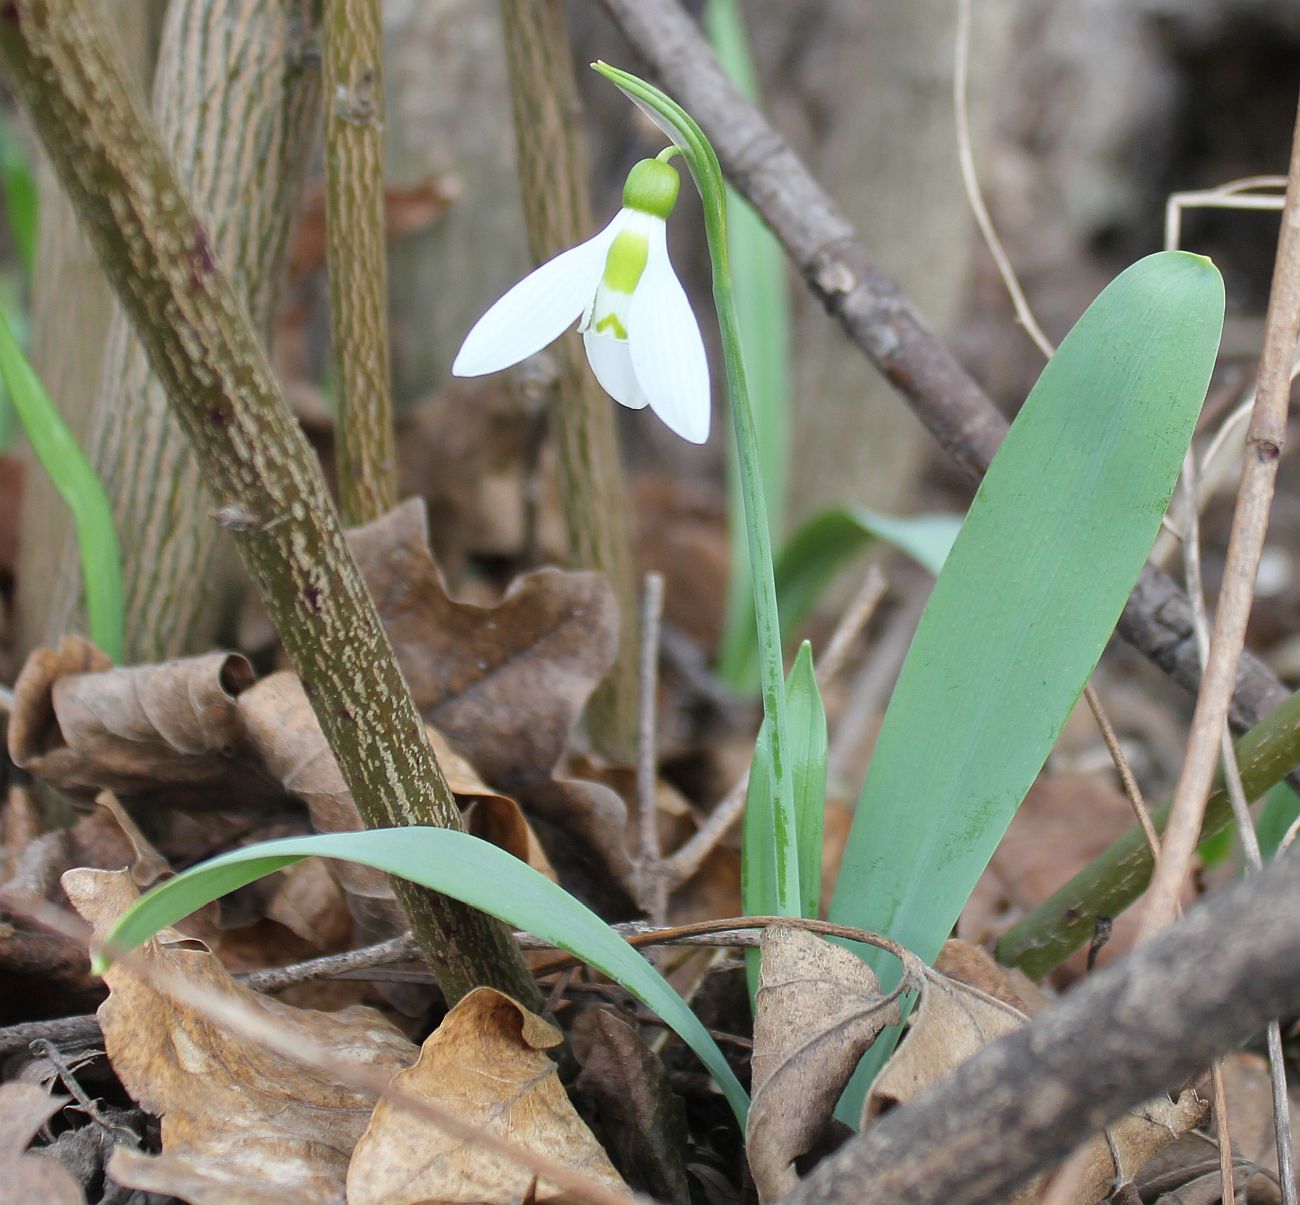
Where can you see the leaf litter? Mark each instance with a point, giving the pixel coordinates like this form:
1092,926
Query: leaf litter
501,687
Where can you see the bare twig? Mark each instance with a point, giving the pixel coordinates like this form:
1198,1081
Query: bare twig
1250,847
59,59
651,883
356,252
1250,520
852,623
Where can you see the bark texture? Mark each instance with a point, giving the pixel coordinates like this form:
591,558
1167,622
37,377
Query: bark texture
1143,1026
553,176
254,457
236,99
72,308
358,270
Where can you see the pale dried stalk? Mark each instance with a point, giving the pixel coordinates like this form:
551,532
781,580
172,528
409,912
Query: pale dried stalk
254,457
355,251
1259,472
557,214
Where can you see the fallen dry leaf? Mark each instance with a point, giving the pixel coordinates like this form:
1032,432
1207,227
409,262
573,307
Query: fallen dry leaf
818,1009
506,684
238,1122
953,1021
86,726
30,1178
642,1119
487,1063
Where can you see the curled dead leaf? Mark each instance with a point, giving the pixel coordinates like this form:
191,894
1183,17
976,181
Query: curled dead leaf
86,726
818,1009
487,1063
239,1122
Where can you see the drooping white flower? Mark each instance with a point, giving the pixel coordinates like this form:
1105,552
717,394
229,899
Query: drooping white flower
641,336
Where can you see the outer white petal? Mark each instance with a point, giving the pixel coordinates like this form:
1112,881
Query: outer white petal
612,363
667,351
538,310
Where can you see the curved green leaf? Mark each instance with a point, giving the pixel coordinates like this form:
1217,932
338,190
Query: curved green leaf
63,460
1028,597
457,865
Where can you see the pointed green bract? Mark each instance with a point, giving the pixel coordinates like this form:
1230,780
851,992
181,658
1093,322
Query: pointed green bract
1028,597
808,747
457,865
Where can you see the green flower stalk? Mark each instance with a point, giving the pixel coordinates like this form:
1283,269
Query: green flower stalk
700,157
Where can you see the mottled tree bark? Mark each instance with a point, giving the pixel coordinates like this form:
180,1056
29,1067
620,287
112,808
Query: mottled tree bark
253,454
358,275
236,97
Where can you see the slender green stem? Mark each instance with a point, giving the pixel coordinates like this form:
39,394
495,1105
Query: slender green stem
69,470
703,162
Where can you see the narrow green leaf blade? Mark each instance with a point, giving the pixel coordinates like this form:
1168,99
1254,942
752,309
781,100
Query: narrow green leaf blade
1028,597
72,475
808,748
457,865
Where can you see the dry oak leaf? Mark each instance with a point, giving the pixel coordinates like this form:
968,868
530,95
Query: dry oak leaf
817,1010
30,1178
239,1122
505,684
486,1063
85,726
953,1021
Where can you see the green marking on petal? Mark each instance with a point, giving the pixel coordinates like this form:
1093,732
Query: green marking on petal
626,261
610,322
652,188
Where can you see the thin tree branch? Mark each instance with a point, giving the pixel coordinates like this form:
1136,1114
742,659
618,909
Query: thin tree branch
1264,442
880,319
356,253
255,459
1142,1026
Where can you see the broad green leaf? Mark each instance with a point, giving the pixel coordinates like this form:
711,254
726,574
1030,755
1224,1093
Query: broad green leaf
1028,597
72,475
457,865
822,546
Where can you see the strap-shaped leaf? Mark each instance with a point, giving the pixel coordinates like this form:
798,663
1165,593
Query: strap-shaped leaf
457,865
1028,597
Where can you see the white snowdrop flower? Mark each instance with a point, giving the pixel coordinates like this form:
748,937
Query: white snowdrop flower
641,336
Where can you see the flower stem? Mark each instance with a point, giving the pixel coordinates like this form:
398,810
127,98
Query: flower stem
771,668
687,136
